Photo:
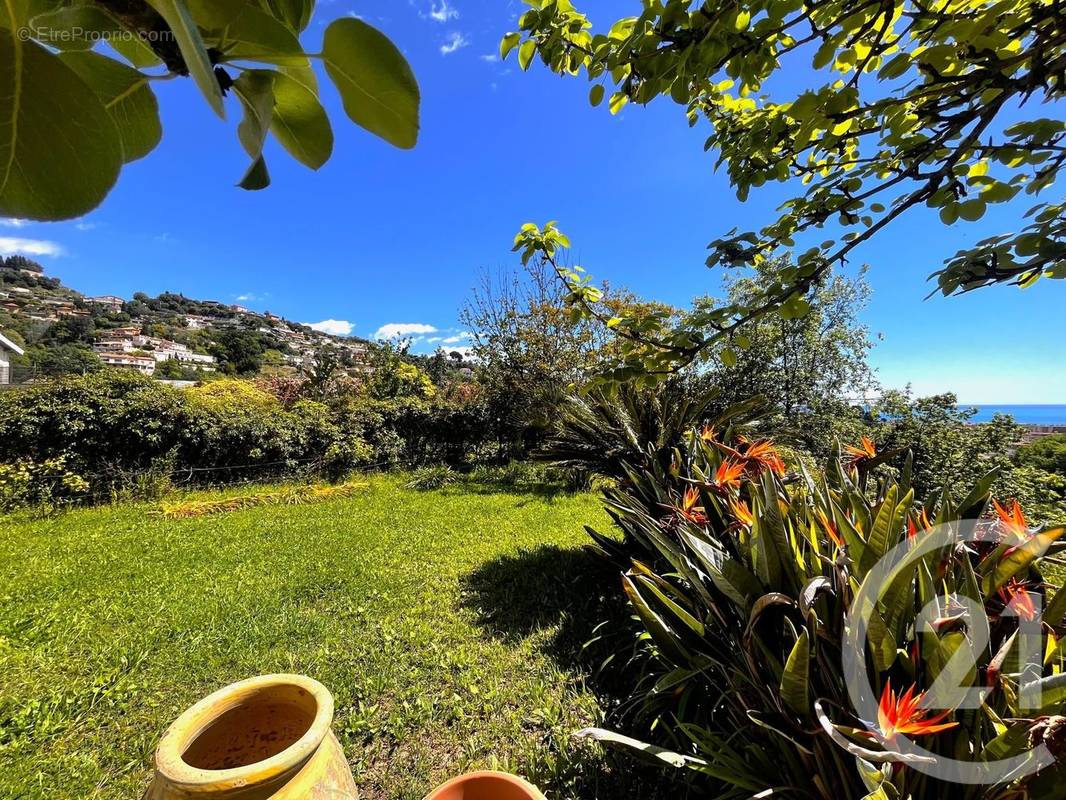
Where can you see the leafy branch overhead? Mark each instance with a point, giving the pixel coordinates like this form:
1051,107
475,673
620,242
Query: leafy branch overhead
945,104
75,111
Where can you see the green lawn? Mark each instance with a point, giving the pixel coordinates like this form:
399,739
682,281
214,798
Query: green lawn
447,625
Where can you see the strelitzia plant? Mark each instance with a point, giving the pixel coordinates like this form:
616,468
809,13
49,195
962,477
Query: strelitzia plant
743,577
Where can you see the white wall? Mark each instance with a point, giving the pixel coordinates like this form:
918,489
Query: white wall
5,372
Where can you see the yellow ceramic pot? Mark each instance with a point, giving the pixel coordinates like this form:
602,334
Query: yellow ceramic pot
267,737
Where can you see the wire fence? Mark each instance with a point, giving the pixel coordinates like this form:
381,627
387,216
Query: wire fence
183,478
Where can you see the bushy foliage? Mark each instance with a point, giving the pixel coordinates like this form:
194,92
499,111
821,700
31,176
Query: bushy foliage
610,430
433,477
413,431
127,435
45,485
947,449
112,427
1047,453
742,576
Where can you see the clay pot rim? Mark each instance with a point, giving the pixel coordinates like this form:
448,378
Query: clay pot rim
507,777
194,720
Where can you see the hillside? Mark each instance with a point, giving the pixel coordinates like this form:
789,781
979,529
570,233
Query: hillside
168,336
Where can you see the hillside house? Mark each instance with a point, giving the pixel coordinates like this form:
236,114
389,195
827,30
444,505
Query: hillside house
7,349
122,333
114,346
109,301
196,322
141,364
165,350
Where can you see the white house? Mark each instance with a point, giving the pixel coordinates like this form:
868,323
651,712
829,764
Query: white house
142,364
109,301
7,349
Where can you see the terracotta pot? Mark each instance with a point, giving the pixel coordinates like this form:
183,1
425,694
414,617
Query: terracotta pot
486,786
266,737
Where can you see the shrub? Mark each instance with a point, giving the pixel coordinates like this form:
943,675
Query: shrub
609,431
46,485
412,432
1047,453
128,436
742,580
433,477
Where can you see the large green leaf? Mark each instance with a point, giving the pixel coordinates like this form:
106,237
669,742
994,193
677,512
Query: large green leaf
1056,609
796,677
676,613
729,576
950,668
659,631
300,123
255,90
126,95
888,525
60,152
256,36
212,14
1052,693
76,27
1020,558
135,50
882,643
294,13
649,752
376,84
177,16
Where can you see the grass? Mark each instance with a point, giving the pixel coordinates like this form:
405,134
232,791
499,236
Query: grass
446,623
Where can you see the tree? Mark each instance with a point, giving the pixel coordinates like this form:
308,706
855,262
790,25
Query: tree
911,104
21,262
394,375
530,348
77,115
812,369
325,376
946,448
70,330
170,369
1047,453
239,350
64,359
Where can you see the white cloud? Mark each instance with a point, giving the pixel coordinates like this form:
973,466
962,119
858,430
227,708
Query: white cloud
490,58
14,222
34,247
462,335
84,226
400,330
334,327
443,12
466,351
455,41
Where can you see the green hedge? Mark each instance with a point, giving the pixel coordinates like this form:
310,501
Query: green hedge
116,430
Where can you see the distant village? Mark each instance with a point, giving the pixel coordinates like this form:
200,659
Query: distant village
142,333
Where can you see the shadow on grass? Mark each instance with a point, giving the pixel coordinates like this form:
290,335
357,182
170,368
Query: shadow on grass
539,491
575,593
572,590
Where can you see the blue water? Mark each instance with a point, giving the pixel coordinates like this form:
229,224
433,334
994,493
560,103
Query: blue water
1025,414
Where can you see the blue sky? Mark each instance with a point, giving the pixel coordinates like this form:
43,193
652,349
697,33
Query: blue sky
382,237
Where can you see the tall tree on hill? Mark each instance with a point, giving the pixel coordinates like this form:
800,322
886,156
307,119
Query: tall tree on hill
812,369
239,350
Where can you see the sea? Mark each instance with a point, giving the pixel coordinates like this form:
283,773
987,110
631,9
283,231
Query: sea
1025,414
